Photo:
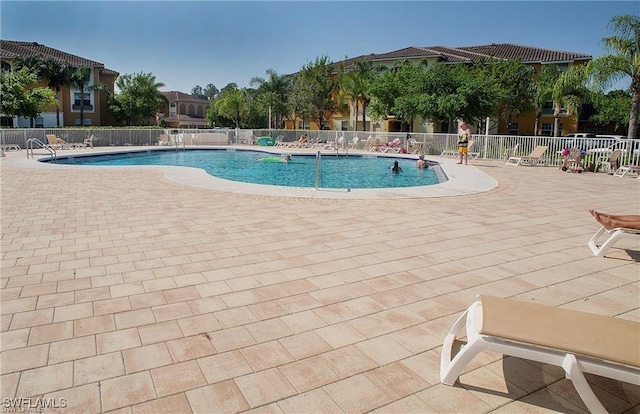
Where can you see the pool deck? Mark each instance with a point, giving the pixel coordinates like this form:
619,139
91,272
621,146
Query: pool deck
125,290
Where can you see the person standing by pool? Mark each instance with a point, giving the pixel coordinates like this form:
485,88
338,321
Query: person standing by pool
422,163
395,168
464,135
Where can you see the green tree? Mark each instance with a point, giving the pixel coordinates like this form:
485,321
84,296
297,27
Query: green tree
515,83
569,93
209,92
234,105
612,108
139,98
20,97
79,79
273,93
543,91
316,83
58,74
354,85
622,61
300,100
384,90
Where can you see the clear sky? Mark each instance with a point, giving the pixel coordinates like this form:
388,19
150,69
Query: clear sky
189,43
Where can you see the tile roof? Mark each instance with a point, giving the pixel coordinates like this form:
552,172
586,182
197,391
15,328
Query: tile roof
174,96
528,54
11,49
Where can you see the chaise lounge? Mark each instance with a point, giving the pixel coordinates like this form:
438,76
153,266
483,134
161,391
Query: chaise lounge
613,236
534,158
579,342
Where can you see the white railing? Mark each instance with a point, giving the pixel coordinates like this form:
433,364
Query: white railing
490,147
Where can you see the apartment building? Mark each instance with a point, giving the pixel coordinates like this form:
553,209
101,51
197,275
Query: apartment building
183,111
524,124
93,102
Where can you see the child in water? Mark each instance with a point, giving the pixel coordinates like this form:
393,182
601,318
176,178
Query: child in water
396,168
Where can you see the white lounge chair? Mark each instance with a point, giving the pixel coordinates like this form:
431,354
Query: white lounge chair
534,158
613,236
88,142
607,162
579,342
472,154
510,152
572,160
626,169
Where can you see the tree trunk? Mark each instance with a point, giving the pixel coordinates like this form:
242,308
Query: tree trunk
556,119
364,109
356,125
633,118
58,106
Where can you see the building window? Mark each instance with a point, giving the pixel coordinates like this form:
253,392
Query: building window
39,122
547,129
303,124
172,109
82,101
6,66
513,128
344,126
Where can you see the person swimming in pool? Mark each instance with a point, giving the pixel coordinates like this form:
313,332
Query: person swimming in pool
395,168
422,163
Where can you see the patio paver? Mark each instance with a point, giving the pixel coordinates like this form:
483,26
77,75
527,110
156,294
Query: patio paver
125,291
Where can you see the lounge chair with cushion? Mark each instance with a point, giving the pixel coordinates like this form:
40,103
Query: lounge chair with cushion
613,236
394,146
534,158
579,342
56,143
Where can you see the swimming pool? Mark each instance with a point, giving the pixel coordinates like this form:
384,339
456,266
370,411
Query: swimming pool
353,171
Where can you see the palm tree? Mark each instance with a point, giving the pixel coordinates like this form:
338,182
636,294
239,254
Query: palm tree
625,61
58,75
273,93
543,91
569,92
359,79
349,90
80,77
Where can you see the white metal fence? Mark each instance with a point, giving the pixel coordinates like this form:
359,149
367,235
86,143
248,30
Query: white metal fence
492,147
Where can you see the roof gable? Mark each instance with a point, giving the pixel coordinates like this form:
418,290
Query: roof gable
469,54
12,49
175,96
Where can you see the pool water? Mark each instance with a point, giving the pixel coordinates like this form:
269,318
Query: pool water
353,171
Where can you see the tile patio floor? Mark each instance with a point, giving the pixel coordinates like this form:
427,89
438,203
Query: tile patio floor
122,291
